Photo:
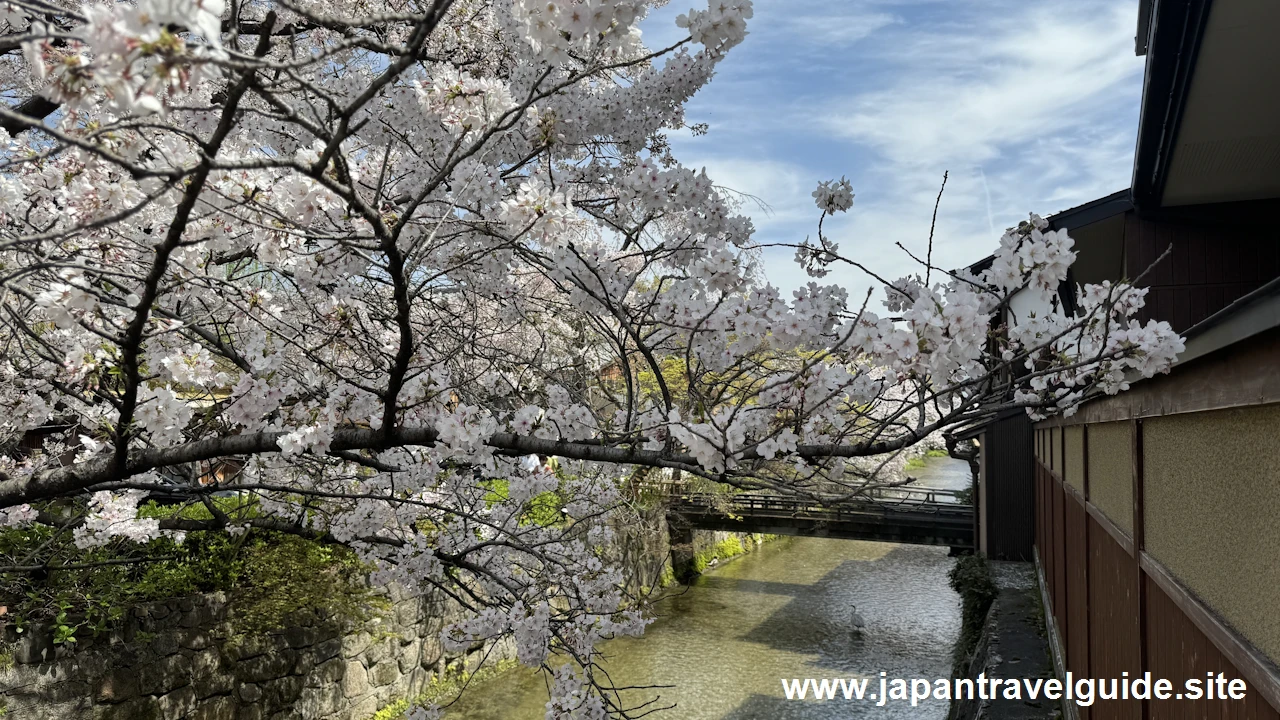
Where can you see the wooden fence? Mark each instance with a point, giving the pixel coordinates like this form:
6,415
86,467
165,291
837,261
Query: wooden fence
1114,609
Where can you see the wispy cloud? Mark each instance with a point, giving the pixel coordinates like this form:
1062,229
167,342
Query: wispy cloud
1031,105
976,87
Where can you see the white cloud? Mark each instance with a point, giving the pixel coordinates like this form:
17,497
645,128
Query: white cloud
1038,97
967,92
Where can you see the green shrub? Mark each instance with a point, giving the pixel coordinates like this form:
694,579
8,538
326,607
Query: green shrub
667,578
444,686
284,575
729,547
270,575
971,578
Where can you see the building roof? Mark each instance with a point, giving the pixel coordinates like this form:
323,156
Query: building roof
1116,203
1208,132
1173,30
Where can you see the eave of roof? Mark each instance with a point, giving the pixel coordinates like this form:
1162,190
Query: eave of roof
1104,207
1100,209
1144,27
1176,28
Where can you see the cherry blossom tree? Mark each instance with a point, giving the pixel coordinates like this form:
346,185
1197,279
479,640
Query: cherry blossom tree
379,253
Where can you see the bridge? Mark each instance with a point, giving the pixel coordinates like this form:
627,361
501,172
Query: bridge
917,516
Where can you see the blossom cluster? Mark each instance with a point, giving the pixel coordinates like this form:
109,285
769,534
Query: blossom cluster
130,54
834,196
557,27
720,26
115,515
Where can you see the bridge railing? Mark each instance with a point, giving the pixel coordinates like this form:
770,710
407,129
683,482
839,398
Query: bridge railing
908,494
764,504
898,495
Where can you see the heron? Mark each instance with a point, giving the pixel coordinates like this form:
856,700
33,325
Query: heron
858,621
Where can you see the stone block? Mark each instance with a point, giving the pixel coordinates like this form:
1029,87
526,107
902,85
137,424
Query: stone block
381,650
117,686
251,646
249,692
327,649
299,636
365,707
406,614
217,683
143,708
318,702
222,707
355,681
327,673
34,646
355,644
384,673
165,675
281,692
266,667
193,639
177,704
164,644
305,663
431,652
407,659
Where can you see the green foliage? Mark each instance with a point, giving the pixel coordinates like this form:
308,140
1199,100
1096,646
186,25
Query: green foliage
271,575
729,547
443,686
723,550
918,462
542,509
89,597
667,578
971,578
285,575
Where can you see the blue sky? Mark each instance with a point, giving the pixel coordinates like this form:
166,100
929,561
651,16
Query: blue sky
1031,105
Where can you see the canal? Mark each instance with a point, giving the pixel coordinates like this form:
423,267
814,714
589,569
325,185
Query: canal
785,611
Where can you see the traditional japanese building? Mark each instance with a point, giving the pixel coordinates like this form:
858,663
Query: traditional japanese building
1154,515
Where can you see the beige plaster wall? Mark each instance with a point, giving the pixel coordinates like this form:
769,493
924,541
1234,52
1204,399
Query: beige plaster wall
1111,471
1212,512
1073,456
1055,443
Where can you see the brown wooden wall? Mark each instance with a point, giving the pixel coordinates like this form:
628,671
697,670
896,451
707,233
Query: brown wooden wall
1211,264
1007,498
1111,604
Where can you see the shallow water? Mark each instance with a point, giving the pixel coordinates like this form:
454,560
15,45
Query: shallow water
785,611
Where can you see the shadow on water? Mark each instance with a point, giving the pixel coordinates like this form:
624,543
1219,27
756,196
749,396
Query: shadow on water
787,611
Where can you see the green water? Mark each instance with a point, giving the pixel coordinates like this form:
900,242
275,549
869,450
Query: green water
786,611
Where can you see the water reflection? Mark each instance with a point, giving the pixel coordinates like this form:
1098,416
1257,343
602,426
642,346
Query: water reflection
785,611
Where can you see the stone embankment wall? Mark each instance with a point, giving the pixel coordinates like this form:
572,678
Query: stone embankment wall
172,660
1012,645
